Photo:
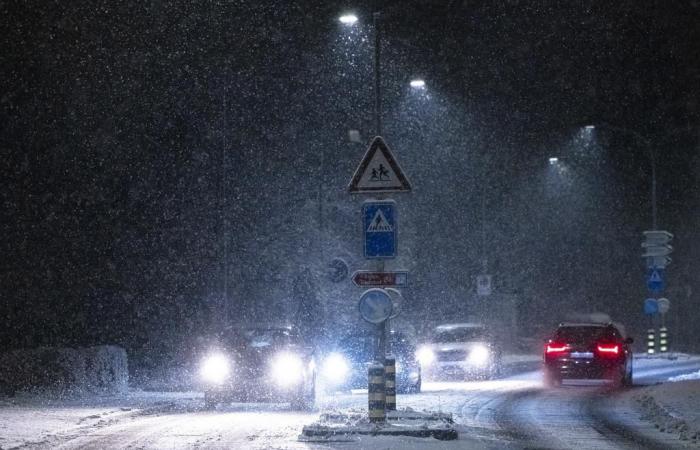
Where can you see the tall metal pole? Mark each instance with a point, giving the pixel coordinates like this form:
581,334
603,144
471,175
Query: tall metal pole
383,327
653,186
224,212
377,76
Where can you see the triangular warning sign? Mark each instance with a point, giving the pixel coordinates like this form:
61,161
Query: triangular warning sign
379,223
379,171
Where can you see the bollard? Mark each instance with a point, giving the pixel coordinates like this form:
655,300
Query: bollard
663,340
375,393
651,341
390,382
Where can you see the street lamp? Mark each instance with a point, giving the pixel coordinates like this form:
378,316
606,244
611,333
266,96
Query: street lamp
348,19
417,83
553,160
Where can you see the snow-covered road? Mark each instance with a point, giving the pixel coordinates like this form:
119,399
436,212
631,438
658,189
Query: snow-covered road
512,413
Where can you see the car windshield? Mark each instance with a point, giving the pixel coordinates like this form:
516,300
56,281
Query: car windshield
460,334
257,338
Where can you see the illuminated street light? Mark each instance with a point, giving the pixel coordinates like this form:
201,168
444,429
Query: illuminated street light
553,160
589,127
418,84
348,19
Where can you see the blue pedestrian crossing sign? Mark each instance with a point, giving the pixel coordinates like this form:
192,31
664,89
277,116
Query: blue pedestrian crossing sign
379,224
655,280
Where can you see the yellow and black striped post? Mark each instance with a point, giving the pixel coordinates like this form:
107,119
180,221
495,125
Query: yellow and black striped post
663,340
390,382
651,341
375,393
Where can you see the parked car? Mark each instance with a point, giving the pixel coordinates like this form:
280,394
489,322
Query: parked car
344,365
464,350
588,350
258,364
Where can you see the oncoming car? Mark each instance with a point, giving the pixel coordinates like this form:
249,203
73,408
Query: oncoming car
588,350
465,350
260,364
344,366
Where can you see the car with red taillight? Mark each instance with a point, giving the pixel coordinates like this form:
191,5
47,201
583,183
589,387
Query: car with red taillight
588,351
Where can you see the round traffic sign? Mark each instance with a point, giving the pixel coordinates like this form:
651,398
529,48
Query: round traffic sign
396,299
337,270
375,305
664,305
651,306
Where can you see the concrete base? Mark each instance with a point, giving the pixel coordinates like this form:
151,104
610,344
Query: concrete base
406,422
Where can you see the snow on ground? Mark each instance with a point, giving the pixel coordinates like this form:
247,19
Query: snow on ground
29,420
40,422
674,408
664,358
690,376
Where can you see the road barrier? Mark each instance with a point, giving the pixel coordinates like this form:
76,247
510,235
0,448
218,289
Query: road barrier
651,341
375,393
390,382
663,340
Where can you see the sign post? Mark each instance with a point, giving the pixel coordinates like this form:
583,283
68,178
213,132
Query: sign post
376,307
657,248
378,173
664,306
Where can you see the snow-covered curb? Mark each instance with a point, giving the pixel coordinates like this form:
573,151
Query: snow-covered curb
673,408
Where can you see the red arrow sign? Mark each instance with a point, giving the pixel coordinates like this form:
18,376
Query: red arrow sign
365,278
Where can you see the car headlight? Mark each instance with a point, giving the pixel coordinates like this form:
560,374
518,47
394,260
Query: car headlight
287,369
479,355
215,368
425,356
335,368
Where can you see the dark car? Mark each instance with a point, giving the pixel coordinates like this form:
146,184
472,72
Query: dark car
344,365
259,364
588,350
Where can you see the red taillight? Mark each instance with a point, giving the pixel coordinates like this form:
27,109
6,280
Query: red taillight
555,348
609,349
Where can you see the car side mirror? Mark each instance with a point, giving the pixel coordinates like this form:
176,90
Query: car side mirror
629,340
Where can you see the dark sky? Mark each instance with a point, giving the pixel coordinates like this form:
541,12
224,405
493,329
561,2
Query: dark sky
143,141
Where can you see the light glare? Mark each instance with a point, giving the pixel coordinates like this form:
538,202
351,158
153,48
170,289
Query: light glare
287,369
417,83
335,368
479,355
215,368
553,160
348,19
425,356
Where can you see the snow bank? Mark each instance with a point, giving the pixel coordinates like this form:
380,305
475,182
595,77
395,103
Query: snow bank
61,372
686,377
673,408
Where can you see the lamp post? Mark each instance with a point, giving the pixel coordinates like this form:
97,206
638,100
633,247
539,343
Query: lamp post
381,396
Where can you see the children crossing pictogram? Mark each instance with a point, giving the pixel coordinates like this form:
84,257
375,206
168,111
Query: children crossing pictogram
379,171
